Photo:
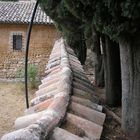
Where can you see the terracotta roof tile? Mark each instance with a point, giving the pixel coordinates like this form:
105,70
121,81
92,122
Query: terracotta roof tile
21,12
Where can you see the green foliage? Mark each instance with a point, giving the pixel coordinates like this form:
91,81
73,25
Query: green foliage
66,22
32,75
115,18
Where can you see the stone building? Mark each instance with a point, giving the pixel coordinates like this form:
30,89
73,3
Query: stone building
14,21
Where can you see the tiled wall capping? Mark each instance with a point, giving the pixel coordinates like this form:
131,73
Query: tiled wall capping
65,88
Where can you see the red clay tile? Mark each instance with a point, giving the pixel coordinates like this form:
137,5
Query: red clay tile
92,130
88,113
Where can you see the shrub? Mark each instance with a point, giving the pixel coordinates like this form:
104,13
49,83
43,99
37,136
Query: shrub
32,75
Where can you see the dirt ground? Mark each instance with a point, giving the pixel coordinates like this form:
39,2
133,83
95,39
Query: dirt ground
12,104
112,129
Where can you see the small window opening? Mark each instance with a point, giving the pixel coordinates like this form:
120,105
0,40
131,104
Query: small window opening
17,42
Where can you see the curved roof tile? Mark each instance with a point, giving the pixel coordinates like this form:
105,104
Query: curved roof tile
21,12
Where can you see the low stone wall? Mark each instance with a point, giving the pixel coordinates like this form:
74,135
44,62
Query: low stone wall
38,125
64,80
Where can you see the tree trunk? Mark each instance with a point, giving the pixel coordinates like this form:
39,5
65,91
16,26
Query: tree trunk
112,73
99,65
99,72
130,65
80,49
82,52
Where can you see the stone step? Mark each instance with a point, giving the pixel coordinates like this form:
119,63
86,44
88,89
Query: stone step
86,103
92,130
88,113
61,134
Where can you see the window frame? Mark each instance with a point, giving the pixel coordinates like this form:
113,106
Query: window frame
17,42
11,41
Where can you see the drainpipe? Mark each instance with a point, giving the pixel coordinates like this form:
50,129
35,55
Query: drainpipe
27,51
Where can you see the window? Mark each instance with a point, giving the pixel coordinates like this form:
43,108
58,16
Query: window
17,42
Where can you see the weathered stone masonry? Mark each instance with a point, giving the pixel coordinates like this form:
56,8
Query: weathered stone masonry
61,90
42,41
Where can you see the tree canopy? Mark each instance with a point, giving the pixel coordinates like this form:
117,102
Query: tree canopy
115,18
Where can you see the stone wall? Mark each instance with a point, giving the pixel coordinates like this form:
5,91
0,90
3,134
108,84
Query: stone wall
42,40
66,97
50,118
